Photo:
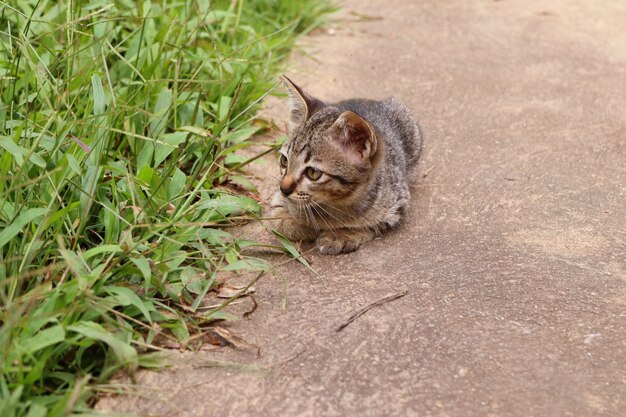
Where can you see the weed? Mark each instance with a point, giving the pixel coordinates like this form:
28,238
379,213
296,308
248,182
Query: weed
118,127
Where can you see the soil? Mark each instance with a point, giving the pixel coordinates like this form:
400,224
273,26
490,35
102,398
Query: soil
512,256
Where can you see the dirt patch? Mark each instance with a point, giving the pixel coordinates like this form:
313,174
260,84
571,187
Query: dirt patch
569,243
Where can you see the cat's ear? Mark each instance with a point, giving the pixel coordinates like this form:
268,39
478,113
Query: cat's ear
355,135
301,105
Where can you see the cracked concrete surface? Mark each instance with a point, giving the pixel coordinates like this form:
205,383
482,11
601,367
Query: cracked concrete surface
514,250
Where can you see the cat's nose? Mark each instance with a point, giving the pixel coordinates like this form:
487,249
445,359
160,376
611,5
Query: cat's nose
287,186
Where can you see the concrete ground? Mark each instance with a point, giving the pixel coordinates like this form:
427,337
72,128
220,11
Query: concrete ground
514,251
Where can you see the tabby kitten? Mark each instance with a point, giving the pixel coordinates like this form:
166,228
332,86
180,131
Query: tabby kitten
345,170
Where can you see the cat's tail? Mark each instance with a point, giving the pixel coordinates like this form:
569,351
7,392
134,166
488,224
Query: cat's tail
409,131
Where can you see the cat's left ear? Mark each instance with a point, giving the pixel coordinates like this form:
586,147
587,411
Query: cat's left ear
355,135
301,105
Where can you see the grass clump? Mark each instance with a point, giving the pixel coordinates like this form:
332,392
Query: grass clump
118,126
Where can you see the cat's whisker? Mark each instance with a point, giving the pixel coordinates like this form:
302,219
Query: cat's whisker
357,221
306,214
344,212
301,208
321,216
324,211
315,224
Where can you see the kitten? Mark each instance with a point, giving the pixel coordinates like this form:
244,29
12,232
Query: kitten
345,170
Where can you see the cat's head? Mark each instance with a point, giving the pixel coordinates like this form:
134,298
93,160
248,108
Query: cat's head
330,156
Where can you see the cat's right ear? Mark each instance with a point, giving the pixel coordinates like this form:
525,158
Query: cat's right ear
301,105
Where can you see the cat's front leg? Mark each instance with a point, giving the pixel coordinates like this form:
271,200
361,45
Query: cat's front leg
334,242
285,223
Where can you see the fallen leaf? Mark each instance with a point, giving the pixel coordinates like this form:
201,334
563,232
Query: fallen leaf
229,291
226,338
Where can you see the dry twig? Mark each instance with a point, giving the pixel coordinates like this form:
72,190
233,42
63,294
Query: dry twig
376,303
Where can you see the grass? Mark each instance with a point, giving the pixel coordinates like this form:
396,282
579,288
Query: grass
119,123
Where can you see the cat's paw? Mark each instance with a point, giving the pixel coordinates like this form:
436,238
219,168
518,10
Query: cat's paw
334,242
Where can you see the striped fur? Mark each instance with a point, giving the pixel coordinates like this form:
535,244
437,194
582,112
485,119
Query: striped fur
363,151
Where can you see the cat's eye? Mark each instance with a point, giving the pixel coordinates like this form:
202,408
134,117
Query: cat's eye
313,174
282,160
